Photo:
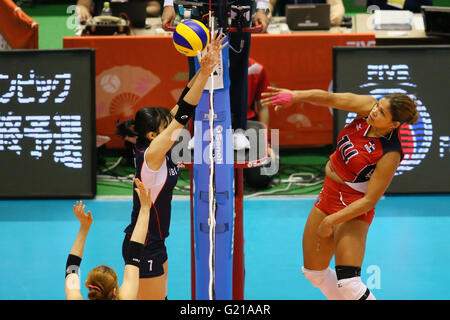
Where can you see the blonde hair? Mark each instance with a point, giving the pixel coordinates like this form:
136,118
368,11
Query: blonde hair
101,282
403,108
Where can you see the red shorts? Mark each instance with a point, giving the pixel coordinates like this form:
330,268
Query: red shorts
335,196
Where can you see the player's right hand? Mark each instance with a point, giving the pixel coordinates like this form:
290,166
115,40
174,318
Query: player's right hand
277,98
145,195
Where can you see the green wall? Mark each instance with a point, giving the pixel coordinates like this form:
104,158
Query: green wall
54,23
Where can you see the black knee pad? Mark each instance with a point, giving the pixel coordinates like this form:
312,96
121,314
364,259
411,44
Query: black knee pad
349,283
346,272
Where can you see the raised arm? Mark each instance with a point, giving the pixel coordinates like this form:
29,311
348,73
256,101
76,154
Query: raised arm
130,285
174,110
360,104
72,283
156,153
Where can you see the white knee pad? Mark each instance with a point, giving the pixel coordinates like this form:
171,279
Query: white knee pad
325,280
354,289
314,276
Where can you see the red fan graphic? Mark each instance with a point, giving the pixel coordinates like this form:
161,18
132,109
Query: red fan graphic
120,88
123,103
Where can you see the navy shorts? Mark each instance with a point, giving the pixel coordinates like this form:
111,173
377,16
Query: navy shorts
153,257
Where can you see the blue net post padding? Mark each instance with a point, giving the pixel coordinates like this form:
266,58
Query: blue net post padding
224,192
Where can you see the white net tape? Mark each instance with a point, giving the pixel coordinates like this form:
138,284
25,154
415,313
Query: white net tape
212,204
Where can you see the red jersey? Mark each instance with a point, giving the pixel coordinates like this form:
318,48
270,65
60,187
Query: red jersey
257,84
357,154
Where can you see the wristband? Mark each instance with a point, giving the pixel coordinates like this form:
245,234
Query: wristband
134,253
73,265
185,111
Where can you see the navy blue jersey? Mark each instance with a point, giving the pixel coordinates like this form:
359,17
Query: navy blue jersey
162,182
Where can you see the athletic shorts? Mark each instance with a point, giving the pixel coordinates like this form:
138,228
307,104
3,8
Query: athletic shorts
335,196
154,254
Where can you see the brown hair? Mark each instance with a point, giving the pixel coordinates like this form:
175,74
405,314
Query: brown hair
101,281
403,108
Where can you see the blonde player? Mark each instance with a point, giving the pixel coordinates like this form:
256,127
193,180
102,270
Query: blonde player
102,281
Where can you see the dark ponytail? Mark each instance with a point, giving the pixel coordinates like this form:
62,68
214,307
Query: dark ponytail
126,128
149,119
146,120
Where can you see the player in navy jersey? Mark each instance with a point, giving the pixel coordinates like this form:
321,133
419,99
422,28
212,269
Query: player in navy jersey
157,129
357,175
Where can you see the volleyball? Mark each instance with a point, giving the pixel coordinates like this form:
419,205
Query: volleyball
190,36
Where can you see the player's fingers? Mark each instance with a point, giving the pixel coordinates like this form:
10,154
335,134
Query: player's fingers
223,45
268,94
274,89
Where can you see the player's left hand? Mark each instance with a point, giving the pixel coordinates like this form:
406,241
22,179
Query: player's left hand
277,98
211,58
85,219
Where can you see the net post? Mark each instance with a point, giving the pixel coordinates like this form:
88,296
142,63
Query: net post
238,252
193,297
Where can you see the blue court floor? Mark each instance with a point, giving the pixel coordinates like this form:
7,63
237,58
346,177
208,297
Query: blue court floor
407,255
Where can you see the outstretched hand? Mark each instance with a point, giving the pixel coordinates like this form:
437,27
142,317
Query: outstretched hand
145,195
85,219
277,98
211,58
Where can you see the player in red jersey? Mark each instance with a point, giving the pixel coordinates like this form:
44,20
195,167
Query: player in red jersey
357,175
